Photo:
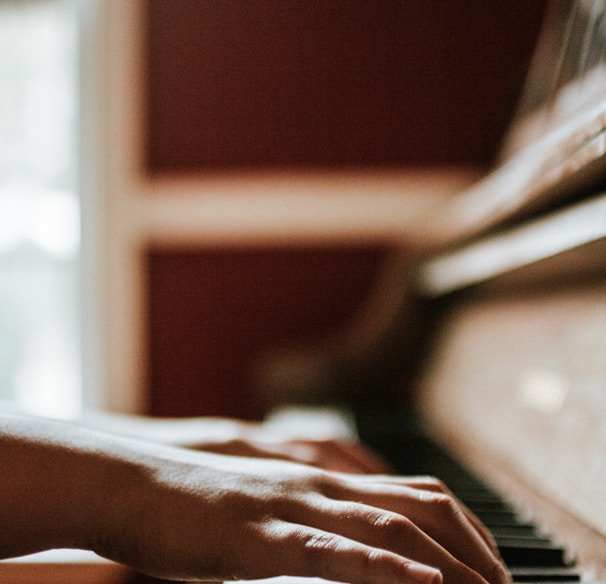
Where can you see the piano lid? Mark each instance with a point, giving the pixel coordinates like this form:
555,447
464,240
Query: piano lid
556,145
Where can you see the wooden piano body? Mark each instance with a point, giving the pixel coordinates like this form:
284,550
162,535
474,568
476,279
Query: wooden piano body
515,382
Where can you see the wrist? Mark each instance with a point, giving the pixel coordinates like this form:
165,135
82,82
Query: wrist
62,486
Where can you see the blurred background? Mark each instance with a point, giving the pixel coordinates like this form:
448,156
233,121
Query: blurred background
186,185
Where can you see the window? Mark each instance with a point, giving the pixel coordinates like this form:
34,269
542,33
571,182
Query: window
39,208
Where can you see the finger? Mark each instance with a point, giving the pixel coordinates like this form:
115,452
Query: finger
399,534
438,486
360,459
435,485
340,456
300,550
327,454
436,514
240,447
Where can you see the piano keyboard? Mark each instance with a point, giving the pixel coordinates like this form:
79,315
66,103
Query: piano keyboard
529,555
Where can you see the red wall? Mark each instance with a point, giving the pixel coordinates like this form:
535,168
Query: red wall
307,84
332,82
213,313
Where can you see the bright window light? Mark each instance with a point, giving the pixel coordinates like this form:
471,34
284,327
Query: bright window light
39,208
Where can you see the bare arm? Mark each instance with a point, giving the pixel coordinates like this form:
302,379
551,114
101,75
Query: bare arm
181,514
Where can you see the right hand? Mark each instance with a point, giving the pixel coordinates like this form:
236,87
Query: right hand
196,516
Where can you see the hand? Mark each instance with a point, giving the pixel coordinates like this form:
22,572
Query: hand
194,516
240,438
181,514
327,453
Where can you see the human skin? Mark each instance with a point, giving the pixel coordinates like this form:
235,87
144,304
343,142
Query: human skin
243,438
186,515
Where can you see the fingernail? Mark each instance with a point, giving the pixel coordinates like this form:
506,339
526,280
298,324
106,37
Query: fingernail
424,574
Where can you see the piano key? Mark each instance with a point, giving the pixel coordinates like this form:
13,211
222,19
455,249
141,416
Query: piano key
485,505
536,552
530,556
499,518
521,538
534,574
522,530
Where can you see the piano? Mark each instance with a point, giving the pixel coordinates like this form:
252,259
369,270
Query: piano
486,365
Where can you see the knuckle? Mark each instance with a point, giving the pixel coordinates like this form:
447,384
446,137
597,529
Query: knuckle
331,558
320,555
392,525
368,559
437,484
445,505
499,573
329,485
433,484
320,544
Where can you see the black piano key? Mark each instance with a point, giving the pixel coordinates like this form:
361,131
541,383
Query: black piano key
485,504
542,574
531,553
530,556
523,532
499,518
521,538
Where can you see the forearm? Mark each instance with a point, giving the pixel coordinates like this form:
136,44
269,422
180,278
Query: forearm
55,480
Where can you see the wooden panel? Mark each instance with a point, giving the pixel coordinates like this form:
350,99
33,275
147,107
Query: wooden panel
212,313
516,388
328,83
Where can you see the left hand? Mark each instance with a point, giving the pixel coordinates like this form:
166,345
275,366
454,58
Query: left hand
326,453
241,438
